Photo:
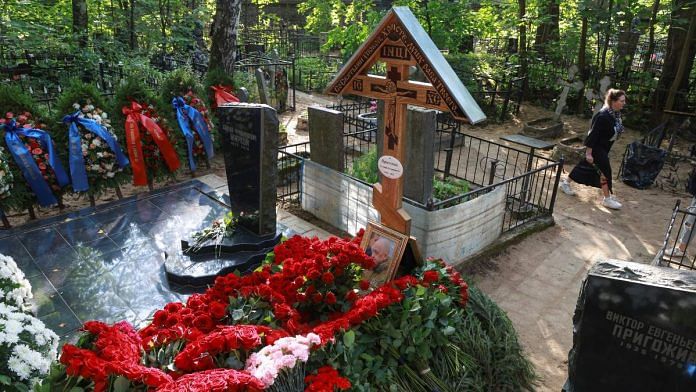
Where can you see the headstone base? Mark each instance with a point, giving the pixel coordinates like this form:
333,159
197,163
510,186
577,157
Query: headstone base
242,252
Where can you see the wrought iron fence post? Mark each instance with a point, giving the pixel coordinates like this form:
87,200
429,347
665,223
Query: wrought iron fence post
294,87
449,150
559,170
491,175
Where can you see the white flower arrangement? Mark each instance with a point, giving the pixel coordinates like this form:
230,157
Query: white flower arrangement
98,157
27,347
283,355
6,178
15,289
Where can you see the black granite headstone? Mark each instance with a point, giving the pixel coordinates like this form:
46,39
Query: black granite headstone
634,330
250,148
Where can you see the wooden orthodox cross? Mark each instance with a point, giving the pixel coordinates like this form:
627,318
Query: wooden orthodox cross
400,42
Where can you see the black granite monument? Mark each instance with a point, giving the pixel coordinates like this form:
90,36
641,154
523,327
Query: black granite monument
634,330
249,145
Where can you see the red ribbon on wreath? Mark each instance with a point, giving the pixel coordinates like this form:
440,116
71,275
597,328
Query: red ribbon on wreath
135,148
223,95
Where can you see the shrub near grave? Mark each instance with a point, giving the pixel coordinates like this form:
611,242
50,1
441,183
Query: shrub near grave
305,321
103,157
365,169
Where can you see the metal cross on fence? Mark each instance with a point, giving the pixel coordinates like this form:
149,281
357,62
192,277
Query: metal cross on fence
400,42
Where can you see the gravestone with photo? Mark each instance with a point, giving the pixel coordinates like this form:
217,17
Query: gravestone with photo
249,144
634,330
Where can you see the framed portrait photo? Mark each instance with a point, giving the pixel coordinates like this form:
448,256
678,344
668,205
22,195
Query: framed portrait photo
386,246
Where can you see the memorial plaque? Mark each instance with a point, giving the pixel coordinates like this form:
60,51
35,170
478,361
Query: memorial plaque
249,144
634,330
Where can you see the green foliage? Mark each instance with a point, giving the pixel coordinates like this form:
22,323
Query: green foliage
177,83
473,348
490,338
365,167
313,73
351,24
449,187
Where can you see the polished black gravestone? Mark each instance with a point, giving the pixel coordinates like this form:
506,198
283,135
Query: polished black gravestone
634,330
250,148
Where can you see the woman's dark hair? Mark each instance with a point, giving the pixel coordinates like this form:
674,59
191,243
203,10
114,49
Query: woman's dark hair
613,95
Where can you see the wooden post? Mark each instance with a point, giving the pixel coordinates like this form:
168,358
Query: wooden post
92,202
118,192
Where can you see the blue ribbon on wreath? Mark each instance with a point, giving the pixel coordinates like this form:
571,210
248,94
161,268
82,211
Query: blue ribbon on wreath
78,172
184,113
27,164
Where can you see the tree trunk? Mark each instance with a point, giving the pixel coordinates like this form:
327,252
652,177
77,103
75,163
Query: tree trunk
682,67
80,25
651,37
547,31
223,49
165,21
607,35
133,44
522,12
678,50
582,61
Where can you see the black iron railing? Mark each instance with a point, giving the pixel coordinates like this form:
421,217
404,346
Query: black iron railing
675,250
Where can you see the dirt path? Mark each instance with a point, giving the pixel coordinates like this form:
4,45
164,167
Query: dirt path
537,281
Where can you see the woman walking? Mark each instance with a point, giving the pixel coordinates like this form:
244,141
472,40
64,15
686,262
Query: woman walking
595,169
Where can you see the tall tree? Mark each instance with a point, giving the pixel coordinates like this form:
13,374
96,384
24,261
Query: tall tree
80,22
548,30
522,25
224,31
679,59
582,54
651,36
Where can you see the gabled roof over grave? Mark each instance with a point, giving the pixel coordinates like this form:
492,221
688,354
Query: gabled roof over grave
400,29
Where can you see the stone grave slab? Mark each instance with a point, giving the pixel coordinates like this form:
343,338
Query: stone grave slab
634,329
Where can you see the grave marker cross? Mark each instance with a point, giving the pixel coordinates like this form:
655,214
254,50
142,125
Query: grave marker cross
400,42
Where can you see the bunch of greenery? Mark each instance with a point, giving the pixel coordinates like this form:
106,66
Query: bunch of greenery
82,96
14,100
449,187
314,72
365,169
426,343
134,89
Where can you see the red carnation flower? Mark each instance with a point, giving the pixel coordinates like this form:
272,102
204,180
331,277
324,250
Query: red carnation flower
431,276
316,298
330,298
364,285
327,277
313,274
